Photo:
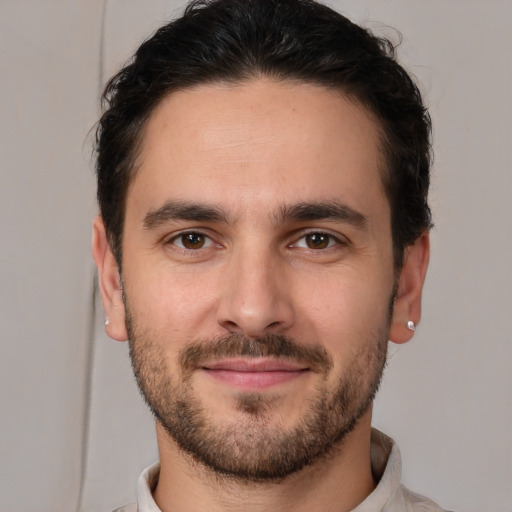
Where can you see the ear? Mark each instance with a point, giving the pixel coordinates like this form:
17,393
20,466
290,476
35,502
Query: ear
410,286
109,281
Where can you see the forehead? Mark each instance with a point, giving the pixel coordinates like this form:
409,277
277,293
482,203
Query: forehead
261,142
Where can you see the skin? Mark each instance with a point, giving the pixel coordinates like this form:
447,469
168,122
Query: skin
251,150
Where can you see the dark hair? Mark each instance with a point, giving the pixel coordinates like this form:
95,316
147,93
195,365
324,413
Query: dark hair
236,40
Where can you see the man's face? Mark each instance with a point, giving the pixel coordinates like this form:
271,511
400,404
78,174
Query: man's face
258,272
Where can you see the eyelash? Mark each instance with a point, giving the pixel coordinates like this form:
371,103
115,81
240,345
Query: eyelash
332,241
181,236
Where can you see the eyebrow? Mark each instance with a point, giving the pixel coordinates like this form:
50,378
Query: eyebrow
328,210
299,212
179,210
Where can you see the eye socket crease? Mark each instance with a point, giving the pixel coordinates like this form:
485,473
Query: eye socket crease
191,240
317,241
302,213
196,244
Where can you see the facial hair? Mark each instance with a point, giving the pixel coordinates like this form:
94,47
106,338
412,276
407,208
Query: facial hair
254,447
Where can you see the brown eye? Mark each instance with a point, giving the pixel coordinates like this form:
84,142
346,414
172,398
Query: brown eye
191,241
318,240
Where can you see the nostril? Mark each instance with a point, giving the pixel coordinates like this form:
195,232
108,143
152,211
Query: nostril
231,326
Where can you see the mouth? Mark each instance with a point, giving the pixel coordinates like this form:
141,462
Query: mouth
254,373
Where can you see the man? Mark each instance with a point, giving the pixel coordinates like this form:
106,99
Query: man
263,170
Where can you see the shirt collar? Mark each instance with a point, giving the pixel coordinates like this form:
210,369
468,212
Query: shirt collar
146,485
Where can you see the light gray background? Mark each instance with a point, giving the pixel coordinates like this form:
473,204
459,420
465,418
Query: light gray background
73,432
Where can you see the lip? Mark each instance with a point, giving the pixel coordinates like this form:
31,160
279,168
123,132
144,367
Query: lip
254,373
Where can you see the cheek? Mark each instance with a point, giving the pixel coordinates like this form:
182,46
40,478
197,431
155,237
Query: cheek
170,300
346,311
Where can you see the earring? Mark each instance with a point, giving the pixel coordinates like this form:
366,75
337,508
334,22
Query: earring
107,322
411,325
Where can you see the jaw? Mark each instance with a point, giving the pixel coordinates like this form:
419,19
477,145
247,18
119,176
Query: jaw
340,480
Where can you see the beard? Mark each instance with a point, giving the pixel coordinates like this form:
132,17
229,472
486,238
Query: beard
251,445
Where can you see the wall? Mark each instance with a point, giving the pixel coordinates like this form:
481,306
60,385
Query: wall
49,53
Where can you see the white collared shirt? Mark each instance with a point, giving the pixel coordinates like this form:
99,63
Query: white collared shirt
389,495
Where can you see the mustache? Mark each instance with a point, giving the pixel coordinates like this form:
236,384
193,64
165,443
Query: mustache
269,345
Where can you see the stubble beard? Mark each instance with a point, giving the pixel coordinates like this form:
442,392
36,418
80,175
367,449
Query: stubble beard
254,447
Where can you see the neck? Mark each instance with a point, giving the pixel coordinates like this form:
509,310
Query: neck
337,482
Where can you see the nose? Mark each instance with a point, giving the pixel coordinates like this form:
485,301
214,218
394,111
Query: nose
256,296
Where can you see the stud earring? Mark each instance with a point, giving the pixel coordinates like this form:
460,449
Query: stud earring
411,325
107,322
